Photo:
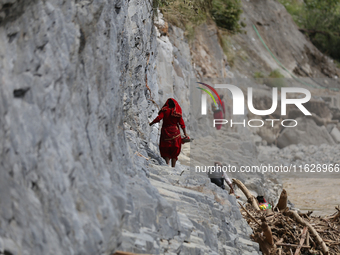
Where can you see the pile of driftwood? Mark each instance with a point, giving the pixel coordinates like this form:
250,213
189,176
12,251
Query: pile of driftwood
282,231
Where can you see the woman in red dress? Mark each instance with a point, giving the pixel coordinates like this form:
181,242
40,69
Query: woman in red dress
170,141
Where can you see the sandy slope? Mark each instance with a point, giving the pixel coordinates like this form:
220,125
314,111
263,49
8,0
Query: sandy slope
318,195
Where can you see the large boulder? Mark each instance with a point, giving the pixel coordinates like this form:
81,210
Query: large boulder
306,132
320,108
335,133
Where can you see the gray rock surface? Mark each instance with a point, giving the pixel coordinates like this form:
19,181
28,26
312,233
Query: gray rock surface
299,154
66,172
209,218
286,42
306,132
196,216
335,133
80,167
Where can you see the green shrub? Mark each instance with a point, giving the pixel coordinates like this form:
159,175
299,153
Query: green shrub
258,75
275,79
324,32
337,63
320,21
295,8
275,74
226,14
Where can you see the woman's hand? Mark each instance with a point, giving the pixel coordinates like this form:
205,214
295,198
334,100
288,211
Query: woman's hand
150,124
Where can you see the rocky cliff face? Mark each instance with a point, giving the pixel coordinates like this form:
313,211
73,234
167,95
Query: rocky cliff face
80,167
284,40
64,160
80,171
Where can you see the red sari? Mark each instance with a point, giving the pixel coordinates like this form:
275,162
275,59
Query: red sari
170,140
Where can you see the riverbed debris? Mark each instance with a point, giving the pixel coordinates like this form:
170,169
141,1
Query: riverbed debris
285,231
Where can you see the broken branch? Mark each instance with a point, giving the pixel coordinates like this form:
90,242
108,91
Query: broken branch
251,199
303,237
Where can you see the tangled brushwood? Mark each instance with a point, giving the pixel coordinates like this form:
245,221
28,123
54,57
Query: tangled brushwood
282,231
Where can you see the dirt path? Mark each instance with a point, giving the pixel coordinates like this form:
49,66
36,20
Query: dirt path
318,195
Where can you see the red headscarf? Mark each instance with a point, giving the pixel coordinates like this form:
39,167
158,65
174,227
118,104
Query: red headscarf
175,112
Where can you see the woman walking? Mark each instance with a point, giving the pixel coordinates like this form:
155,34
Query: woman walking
170,140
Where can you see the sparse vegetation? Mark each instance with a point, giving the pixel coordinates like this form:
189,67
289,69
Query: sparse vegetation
258,75
337,63
226,14
275,74
185,14
295,8
226,46
188,14
320,21
275,79
190,32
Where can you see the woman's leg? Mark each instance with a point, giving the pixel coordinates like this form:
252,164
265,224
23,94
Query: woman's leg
167,160
173,162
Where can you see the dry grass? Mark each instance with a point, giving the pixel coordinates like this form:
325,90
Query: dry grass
223,37
184,14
